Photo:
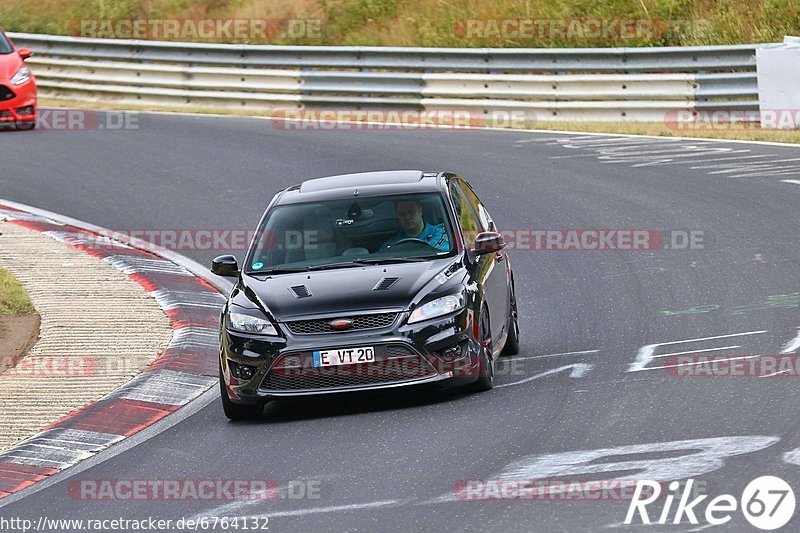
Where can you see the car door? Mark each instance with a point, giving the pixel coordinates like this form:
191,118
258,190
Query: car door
490,269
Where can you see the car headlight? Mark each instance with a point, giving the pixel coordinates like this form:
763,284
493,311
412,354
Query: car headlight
250,324
438,307
23,75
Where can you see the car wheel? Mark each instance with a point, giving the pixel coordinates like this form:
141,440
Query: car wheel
235,411
486,372
511,347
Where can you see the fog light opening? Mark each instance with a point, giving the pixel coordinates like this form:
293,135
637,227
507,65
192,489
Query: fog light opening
451,353
243,372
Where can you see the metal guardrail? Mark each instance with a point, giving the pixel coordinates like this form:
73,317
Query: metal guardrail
550,84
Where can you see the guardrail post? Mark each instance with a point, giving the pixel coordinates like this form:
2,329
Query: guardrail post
779,84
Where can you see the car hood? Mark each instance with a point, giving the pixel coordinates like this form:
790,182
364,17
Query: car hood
347,290
9,65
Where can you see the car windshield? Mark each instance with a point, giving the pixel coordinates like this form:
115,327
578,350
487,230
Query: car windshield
5,46
353,231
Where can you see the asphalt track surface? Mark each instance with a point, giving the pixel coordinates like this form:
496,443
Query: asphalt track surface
390,462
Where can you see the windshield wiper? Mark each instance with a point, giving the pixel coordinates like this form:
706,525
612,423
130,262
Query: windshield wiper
379,260
357,261
278,270
332,265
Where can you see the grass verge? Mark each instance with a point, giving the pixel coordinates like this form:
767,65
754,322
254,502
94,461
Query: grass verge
14,299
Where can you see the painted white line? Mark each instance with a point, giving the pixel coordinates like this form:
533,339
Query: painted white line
691,458
609,148
779,173
565,354
572,156
648,527
334,509
698,362
227,509
714,338
757,167
775,373
700,158
792,345
577,370
647,353
795,182
661,161
697,351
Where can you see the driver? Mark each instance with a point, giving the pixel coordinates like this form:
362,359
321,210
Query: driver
409,214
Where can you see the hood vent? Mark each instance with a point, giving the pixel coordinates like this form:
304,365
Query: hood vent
300,291
385,283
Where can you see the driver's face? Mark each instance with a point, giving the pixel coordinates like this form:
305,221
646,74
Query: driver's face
409,214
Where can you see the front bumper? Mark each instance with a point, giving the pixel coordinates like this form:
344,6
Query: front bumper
17,103
405,355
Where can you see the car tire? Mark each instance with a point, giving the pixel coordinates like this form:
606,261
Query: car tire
235,411
486,372
511,347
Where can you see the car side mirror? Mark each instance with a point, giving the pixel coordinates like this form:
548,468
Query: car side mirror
25,53
488,242
226,266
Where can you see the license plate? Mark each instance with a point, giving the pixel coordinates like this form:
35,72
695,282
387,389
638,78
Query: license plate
344,356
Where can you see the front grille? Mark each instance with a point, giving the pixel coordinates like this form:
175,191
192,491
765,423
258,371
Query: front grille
398,350
400,365
310,327
6,93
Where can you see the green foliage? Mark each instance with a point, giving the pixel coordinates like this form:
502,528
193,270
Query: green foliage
13,298
438,22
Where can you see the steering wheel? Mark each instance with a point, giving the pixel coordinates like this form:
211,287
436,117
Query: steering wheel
412,239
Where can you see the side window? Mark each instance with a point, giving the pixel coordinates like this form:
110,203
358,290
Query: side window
467,218
477,206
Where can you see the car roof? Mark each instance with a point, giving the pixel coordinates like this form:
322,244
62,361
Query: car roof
362,184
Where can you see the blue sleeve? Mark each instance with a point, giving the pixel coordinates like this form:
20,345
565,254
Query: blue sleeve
438,239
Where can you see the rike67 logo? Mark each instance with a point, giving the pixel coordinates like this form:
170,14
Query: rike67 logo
767,503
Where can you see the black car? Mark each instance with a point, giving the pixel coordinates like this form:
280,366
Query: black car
366,281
